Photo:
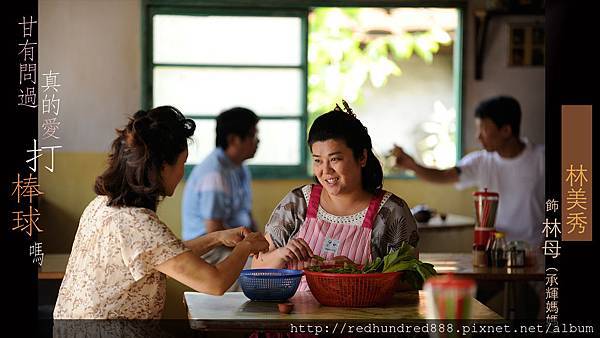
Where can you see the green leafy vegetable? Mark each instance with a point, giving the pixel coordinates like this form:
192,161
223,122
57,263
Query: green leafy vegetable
415,272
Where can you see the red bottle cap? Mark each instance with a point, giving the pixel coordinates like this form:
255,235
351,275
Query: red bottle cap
486,193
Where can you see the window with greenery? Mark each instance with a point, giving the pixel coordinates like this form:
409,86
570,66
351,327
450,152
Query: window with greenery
399,68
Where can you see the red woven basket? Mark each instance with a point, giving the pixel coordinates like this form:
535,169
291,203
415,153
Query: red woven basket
352,290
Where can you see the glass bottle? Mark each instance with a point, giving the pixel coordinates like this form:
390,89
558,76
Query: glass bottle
516,253
488,249
499,250
479,258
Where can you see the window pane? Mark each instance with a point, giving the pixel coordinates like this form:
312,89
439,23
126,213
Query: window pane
208,91
423,128
279,142
203,141
418,108
233,40
398,75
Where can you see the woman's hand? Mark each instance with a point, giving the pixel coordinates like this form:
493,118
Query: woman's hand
256,242
196,273
296,250
232,237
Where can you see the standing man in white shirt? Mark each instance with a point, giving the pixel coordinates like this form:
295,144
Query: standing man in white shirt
509,165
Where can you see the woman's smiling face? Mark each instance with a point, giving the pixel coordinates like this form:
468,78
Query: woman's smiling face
336,168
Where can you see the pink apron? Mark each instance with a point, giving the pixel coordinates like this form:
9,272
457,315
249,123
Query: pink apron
329,240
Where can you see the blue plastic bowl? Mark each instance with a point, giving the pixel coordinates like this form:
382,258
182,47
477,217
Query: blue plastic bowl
270,284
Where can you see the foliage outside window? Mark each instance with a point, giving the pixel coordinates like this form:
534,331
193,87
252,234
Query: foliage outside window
352,50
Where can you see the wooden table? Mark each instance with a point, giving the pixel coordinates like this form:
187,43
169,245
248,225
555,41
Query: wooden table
233,311
53,266
462,264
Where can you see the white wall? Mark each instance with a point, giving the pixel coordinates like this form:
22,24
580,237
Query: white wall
526,84
95,46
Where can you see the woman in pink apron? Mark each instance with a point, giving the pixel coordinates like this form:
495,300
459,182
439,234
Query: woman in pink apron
347,213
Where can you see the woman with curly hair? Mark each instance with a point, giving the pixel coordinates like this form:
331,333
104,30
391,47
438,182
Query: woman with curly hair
122,251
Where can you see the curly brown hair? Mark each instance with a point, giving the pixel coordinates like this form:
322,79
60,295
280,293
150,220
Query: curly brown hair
150,140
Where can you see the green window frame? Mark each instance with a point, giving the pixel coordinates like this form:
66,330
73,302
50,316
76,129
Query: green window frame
291,8
258,171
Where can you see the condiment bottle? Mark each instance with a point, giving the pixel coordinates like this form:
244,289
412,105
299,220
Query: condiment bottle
488,249
516,253
499,250
479,258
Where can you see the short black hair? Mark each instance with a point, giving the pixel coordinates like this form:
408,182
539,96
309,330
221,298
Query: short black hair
502,110
339,125
238,121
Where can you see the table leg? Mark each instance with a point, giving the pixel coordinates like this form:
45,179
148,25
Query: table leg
509,300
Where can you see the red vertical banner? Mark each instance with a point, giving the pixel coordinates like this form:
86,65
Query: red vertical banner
576,173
